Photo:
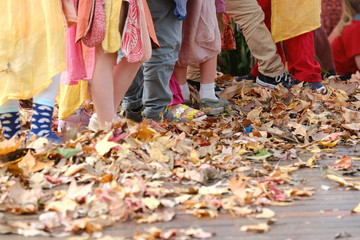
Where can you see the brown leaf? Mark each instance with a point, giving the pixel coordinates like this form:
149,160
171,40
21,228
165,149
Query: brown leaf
356,209
10,145
26,201
258,228
31,164
238,185
344,163
348,87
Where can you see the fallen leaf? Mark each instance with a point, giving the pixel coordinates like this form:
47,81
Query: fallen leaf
7,146
356,209
265,213
104,145
31,164
258,228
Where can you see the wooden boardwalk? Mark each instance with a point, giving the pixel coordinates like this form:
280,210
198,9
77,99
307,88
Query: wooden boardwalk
325,216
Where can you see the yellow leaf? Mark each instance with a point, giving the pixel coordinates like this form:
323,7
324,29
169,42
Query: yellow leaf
151,202
145,132
356,209
104,146
266,213
73,169
312,160
258,228
205,213
156,155
194,156
10,145
62,206
29,163
329,144
337,179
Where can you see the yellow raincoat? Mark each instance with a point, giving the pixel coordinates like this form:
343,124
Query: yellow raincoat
291,18
32,46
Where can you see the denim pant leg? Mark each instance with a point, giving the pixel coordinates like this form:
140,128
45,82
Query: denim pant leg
151,85
158,70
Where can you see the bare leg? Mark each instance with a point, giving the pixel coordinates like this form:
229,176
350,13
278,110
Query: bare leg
102,87
124,74
180,74
207,79
208,70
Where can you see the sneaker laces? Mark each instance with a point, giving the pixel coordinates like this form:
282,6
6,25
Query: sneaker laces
286,79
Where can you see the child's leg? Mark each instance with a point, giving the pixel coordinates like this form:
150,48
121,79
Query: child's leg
324,52
102,86
207,79
302,63
178,108
43,107
180,75
124,74
250,17
9,118
176,91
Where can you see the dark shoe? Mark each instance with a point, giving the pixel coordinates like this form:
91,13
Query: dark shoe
265,81
134,114
319,87
245,77
213,107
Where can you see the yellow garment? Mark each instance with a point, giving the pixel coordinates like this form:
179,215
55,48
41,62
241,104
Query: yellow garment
32,46
291,18
112,41
71,97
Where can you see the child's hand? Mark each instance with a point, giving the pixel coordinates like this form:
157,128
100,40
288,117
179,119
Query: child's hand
180,9
356,76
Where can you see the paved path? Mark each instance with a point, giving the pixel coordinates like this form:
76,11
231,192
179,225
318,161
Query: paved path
325,216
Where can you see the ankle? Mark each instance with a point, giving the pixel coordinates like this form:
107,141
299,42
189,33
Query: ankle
185,91
207,91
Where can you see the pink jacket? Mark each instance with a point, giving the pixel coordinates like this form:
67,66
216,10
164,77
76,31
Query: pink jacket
220,6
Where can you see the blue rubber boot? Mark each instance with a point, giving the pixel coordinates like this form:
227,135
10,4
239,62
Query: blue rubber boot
41,122
10,123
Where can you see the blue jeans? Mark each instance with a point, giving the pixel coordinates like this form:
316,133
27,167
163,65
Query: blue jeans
150,87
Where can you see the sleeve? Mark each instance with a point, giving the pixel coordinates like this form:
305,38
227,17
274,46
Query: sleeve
220,6
352,41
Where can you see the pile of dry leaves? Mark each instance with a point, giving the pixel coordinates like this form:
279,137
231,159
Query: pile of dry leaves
239,163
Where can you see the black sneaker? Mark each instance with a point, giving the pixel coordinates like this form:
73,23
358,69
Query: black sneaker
134,114
265,81
245,77
315,86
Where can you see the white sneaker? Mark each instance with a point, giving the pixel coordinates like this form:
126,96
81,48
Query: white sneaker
94,125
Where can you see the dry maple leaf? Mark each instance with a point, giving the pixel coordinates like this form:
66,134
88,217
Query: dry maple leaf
104,145
238,185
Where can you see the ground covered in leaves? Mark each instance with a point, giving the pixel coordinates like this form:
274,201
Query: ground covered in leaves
149,172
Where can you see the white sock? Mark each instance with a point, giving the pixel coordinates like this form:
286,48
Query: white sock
185,91
207,91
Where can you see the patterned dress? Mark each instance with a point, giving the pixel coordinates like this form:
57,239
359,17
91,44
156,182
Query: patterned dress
330,15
